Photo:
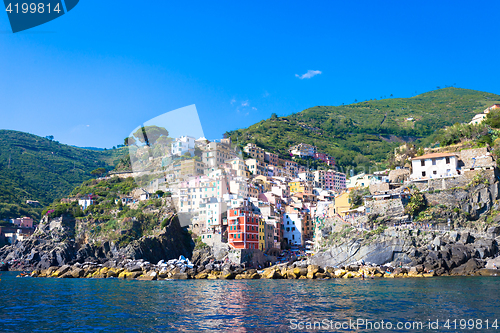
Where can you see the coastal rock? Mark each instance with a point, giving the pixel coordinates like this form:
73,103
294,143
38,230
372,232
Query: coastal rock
470,267
488,272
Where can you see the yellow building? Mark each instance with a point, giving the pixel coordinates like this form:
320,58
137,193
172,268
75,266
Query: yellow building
262,235
264,182
296,187
342,203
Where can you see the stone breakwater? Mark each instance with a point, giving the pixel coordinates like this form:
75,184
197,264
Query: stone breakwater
183,269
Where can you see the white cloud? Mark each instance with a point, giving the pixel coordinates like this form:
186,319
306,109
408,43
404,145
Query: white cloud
245,103
310,73
265,94
233,101
254,108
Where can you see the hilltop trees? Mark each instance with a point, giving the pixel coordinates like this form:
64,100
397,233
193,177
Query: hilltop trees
98,172
150,134
129,141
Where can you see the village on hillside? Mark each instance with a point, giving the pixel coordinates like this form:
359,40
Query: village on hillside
257,201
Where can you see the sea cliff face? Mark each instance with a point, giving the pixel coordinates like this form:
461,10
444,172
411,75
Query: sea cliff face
445,253
53,244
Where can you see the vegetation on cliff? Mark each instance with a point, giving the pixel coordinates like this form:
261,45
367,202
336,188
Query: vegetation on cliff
364,133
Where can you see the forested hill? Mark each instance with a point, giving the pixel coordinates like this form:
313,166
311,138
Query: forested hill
363,133
35,168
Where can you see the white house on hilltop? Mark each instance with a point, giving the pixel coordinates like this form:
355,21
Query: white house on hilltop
435,165
182,145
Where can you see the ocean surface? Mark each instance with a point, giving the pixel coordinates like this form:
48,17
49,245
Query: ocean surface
112,305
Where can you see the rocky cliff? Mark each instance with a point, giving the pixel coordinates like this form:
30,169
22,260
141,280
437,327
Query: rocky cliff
53,244
452,253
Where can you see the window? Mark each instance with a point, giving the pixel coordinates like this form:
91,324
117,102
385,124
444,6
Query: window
423,173
434,172
422,163
433,161
447,160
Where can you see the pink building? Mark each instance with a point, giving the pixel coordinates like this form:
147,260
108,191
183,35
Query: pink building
325,158
271,159
23,222
335,181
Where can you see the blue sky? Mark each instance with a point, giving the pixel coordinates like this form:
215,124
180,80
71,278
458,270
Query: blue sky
93,75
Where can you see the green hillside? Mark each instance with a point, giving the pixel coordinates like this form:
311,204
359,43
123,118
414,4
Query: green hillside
363,134
35,168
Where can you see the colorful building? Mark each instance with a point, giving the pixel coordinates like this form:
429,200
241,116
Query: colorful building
342,203
325,158
262,235
243,228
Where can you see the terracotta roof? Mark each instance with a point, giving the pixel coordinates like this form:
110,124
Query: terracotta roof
434,155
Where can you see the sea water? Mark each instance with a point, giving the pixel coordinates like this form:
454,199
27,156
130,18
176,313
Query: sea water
114,305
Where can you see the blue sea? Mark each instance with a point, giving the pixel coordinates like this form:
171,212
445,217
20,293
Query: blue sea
455,304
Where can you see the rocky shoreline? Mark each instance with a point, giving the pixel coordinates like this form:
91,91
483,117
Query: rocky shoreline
183,269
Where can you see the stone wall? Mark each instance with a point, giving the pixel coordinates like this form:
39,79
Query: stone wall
475,199
482,155
392,207
399,176
453,182
251,257
381,187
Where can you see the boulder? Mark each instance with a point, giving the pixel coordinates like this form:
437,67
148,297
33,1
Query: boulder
300,271
62,270
313,268
180,276
202,275
77,272
66,275
488,272
469,268
228,275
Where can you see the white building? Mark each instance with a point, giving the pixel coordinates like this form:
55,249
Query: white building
84,203
182,145
292,228
435,165
306,176
214,208
478,118
302,150
361,180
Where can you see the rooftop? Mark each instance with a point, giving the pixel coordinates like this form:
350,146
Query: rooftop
434,155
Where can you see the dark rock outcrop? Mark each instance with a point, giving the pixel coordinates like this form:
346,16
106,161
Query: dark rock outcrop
53,245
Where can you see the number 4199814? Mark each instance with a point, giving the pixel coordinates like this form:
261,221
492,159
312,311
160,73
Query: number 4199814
31,8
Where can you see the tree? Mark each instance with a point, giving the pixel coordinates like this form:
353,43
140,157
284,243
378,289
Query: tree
129,141
274,116
416,203
98,172
198,152
164,140
159,193
49,137
149,134
493,119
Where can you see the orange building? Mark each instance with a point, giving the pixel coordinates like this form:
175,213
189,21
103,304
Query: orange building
243,229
